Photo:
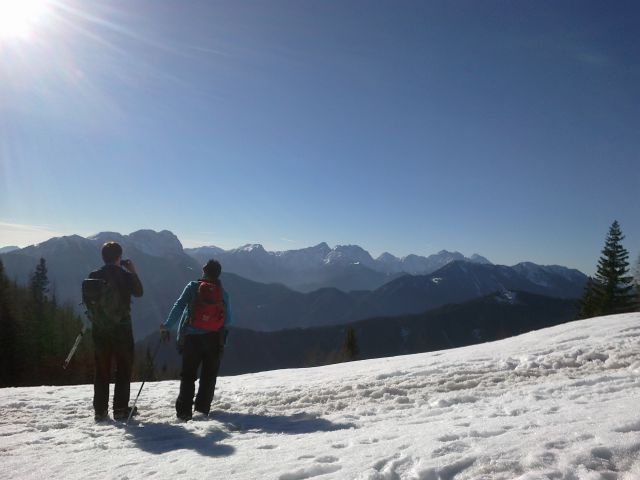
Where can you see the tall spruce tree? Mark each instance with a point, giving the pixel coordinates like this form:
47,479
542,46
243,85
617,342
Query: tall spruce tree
350,348
587,305
39,282
36,335
9,374
40,327
611,290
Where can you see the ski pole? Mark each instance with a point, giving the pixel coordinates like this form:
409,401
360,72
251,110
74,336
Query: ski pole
155,353
73,349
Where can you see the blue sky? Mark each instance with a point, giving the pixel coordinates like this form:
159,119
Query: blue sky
504,128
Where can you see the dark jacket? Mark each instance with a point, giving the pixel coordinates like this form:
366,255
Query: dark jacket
128,284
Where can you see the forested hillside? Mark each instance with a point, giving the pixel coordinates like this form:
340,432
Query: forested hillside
36,333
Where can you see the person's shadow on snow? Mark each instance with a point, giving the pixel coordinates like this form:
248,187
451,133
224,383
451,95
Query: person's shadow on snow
158,438
293,424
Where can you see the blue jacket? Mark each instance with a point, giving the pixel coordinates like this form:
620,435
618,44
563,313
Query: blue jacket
180,311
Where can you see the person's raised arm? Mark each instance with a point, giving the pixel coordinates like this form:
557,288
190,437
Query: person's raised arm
135,285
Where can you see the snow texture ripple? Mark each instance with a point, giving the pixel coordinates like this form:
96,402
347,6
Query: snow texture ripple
560,403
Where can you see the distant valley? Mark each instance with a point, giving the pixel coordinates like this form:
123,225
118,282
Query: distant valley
484,319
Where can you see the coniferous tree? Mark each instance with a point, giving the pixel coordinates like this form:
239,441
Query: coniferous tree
145,367
611,290
39,282
40,348
36,335
150,373
350,349
587,304
8,373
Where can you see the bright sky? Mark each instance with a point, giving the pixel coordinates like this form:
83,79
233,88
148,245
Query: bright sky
504,128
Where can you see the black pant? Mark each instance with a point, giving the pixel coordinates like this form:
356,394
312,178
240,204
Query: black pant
112,343
206,350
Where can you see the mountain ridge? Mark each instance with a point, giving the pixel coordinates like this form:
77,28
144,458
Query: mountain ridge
271,305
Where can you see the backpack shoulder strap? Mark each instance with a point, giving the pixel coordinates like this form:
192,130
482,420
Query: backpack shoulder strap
194,286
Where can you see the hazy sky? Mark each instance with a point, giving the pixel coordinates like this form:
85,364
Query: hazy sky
511,129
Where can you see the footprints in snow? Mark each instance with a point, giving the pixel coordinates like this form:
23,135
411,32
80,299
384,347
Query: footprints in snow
400,466
322,465
454,443
453,447
631,427
308,472
267,447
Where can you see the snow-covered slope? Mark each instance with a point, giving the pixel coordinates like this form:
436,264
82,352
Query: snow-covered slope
557,403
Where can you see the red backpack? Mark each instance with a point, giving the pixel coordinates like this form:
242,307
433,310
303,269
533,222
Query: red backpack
207,310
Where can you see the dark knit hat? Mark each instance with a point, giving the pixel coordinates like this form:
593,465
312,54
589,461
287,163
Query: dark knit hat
111,251
212,269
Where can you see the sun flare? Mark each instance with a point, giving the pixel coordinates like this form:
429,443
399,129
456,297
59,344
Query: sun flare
19,18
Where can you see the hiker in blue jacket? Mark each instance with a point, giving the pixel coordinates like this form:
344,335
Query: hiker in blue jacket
203,315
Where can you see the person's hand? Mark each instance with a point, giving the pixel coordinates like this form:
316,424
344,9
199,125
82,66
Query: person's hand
165,336
128,264
223,340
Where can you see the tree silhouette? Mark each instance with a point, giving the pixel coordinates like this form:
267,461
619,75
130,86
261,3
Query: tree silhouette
36,335
350,350
611,290
39,282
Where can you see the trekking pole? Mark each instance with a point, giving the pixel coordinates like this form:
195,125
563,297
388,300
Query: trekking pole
73,349
155,353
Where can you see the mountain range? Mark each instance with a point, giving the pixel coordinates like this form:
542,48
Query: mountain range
165,268
346,267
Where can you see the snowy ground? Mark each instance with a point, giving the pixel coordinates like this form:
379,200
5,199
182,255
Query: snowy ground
561,403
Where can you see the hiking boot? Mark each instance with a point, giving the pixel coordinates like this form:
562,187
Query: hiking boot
101,416
184,416
203,411
123,413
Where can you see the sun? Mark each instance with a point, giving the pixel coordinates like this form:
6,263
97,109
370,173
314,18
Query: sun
19,18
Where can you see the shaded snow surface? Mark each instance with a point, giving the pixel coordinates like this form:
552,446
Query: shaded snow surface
560,403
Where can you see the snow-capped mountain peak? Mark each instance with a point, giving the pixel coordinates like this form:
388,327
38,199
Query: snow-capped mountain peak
349,255
150,242
251,248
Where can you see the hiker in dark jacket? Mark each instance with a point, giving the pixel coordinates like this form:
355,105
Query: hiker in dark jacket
114,339
203,314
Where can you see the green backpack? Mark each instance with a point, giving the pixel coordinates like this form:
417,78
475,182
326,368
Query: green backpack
105,306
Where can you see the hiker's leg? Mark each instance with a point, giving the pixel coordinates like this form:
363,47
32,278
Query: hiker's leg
190,362
102,374
124,368
209,373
